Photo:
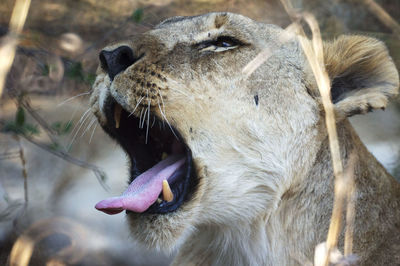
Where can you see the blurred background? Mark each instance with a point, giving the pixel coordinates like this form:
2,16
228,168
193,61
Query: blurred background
56,163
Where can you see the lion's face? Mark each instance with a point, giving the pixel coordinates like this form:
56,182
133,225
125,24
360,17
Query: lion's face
178,102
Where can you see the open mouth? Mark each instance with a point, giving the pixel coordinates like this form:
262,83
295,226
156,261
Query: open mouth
162,177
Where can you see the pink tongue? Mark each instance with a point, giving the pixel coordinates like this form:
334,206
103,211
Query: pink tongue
144,189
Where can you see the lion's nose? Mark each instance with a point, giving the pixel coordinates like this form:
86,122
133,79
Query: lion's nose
115,61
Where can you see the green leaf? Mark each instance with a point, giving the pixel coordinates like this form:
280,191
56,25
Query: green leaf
6,198
25,129
10,127
90,78
62,128
20,117
54,146
137,15
103,177
45,70
56,126
67,127
75,71
30,129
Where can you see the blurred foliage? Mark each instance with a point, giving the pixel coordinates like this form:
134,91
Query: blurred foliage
45,70
75,71
62,128
137,15
19,126
20,116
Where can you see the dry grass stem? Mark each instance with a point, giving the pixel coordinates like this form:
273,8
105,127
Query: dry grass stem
343,187
48,130
383,16
100,174
21,252
287,35
24,246
24,172
9,155
315,57
351,205
9,43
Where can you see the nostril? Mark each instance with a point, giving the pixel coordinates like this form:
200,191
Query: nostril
115,61
125,58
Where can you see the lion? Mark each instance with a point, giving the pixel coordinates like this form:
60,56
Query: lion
236,170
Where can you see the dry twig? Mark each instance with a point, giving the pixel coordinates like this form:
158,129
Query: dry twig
100,175
315,57
24,172
10,42
383,16
284,37
49,131
351,205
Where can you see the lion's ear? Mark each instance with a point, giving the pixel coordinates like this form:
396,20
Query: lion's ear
363,76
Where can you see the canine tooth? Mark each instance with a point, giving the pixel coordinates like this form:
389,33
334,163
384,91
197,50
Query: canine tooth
117,114
164,155
166,191
159,200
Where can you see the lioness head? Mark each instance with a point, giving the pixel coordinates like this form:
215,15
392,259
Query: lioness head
177,101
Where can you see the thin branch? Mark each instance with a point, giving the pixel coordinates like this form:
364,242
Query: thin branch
100,174
49,132
9,155
24,172
383,16
351,205
314,55
284,37
317,65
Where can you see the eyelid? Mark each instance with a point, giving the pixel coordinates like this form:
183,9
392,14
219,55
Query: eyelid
222,38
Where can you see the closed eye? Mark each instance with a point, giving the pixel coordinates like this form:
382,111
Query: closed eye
220,44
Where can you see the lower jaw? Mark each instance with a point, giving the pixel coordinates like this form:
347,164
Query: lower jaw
160,232
182,189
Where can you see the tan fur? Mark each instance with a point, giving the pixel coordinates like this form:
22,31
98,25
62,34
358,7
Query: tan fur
265,188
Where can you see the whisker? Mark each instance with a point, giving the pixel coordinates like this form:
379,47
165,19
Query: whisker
72,116
181,92
88,127
166,120
154,121
144,117
140,117
91,136
77,131
175,88
73,97
148,120
140,100
80,120
160,106
148,113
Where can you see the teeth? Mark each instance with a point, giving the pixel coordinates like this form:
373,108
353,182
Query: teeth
159,200
166,191
117,114
164,155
